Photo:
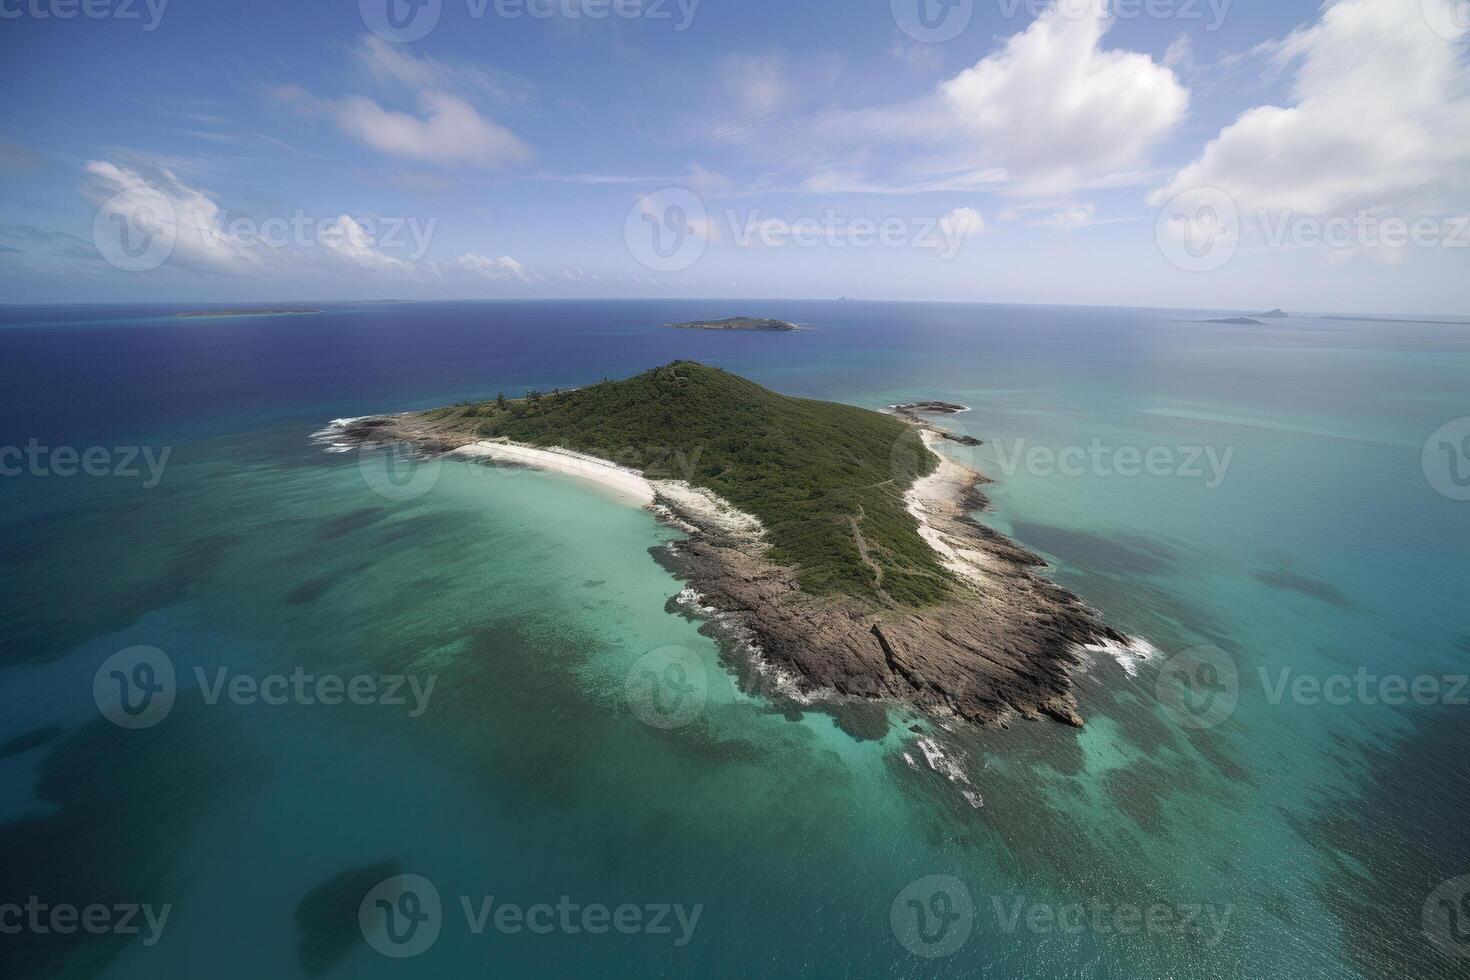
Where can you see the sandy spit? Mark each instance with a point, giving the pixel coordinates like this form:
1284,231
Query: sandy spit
674,500
626,483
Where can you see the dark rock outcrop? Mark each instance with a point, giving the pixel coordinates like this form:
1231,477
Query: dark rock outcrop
931,408
993,651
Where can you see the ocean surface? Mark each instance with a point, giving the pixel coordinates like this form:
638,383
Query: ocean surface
1256,502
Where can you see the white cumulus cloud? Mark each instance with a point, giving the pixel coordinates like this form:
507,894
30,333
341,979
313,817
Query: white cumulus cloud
449,130
1055,109
1068,219
503,269
962,223
347,240
1380,118
204,236
195,223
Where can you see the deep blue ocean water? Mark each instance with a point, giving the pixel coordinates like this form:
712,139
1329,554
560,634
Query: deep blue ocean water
1292,521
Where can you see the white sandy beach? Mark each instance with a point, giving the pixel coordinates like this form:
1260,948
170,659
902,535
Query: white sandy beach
683,500
625,482
937,499
710,508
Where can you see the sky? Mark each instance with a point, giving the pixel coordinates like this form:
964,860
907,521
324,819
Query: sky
1205,154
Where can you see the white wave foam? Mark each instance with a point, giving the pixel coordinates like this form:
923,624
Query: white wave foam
1126,654
692,599
948,768
330,437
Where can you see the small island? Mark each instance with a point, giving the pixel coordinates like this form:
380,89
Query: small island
827,545
913,411
1274,315
736,323
1242,321
271,311
931,408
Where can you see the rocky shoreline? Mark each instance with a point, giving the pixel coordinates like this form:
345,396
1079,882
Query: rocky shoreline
1005,644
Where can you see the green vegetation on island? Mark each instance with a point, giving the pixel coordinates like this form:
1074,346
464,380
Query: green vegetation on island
827,480
736,323
843,592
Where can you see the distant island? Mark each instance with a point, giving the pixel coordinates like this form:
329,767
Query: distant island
828,545
1387,319
269,311
1255,320
735,323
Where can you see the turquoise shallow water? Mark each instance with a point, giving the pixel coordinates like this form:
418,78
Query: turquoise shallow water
1284,839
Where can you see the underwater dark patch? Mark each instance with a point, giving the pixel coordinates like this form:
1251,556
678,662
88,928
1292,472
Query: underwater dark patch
421,529
33,739
44,632
108,840
1393,823
1138,790
1132,553
863,722
313,589
1217,750
327,917
308,592
1310,587
345,524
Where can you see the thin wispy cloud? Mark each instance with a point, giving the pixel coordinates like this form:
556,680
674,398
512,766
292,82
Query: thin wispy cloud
435,121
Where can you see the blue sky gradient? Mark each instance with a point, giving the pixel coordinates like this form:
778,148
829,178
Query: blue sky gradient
286,151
